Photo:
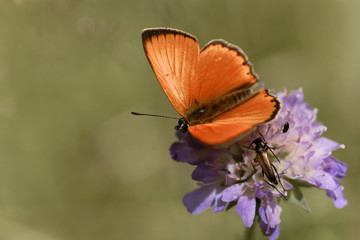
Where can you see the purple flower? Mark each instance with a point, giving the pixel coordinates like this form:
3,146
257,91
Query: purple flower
229,176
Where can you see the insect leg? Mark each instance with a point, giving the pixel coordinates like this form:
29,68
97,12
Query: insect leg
253,165
263,138
272,185
249,147
277,174
269,148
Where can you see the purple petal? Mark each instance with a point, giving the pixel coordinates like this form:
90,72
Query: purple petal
317,129
207,174
272,233
182,152
284,165
219,203
232,193
269,212
275,234
325,146
286,184
246,209
200,199
293,99
260,193
338,196
335,167
174,150
326,181
261,212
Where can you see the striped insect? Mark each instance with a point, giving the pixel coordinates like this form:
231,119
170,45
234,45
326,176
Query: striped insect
268,169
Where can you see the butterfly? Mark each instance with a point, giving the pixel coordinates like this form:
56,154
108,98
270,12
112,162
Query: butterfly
211,88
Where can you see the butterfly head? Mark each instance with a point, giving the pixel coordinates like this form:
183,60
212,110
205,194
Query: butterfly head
182,126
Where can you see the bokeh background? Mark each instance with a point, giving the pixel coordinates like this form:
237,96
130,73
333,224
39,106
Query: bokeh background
74,164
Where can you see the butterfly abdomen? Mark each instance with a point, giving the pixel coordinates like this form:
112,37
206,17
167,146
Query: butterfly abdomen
206,112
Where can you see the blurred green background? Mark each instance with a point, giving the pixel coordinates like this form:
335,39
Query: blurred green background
74,164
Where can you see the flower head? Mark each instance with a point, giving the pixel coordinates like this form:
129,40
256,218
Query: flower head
229,176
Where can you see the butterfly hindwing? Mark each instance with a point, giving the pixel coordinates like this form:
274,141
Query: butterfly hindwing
259,108
223,67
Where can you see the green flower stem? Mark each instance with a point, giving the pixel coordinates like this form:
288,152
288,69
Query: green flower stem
249,233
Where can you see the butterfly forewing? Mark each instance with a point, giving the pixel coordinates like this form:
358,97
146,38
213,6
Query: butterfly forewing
174,57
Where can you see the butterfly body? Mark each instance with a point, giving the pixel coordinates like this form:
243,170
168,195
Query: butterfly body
207,112
210,88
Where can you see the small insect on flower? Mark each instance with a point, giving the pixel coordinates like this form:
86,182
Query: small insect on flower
262,158
285,127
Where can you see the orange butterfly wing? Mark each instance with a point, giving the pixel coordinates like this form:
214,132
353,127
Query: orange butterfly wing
174,57
222,68
260,108
191,78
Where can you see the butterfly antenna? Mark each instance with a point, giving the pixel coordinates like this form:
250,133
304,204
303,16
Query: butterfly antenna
152,115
